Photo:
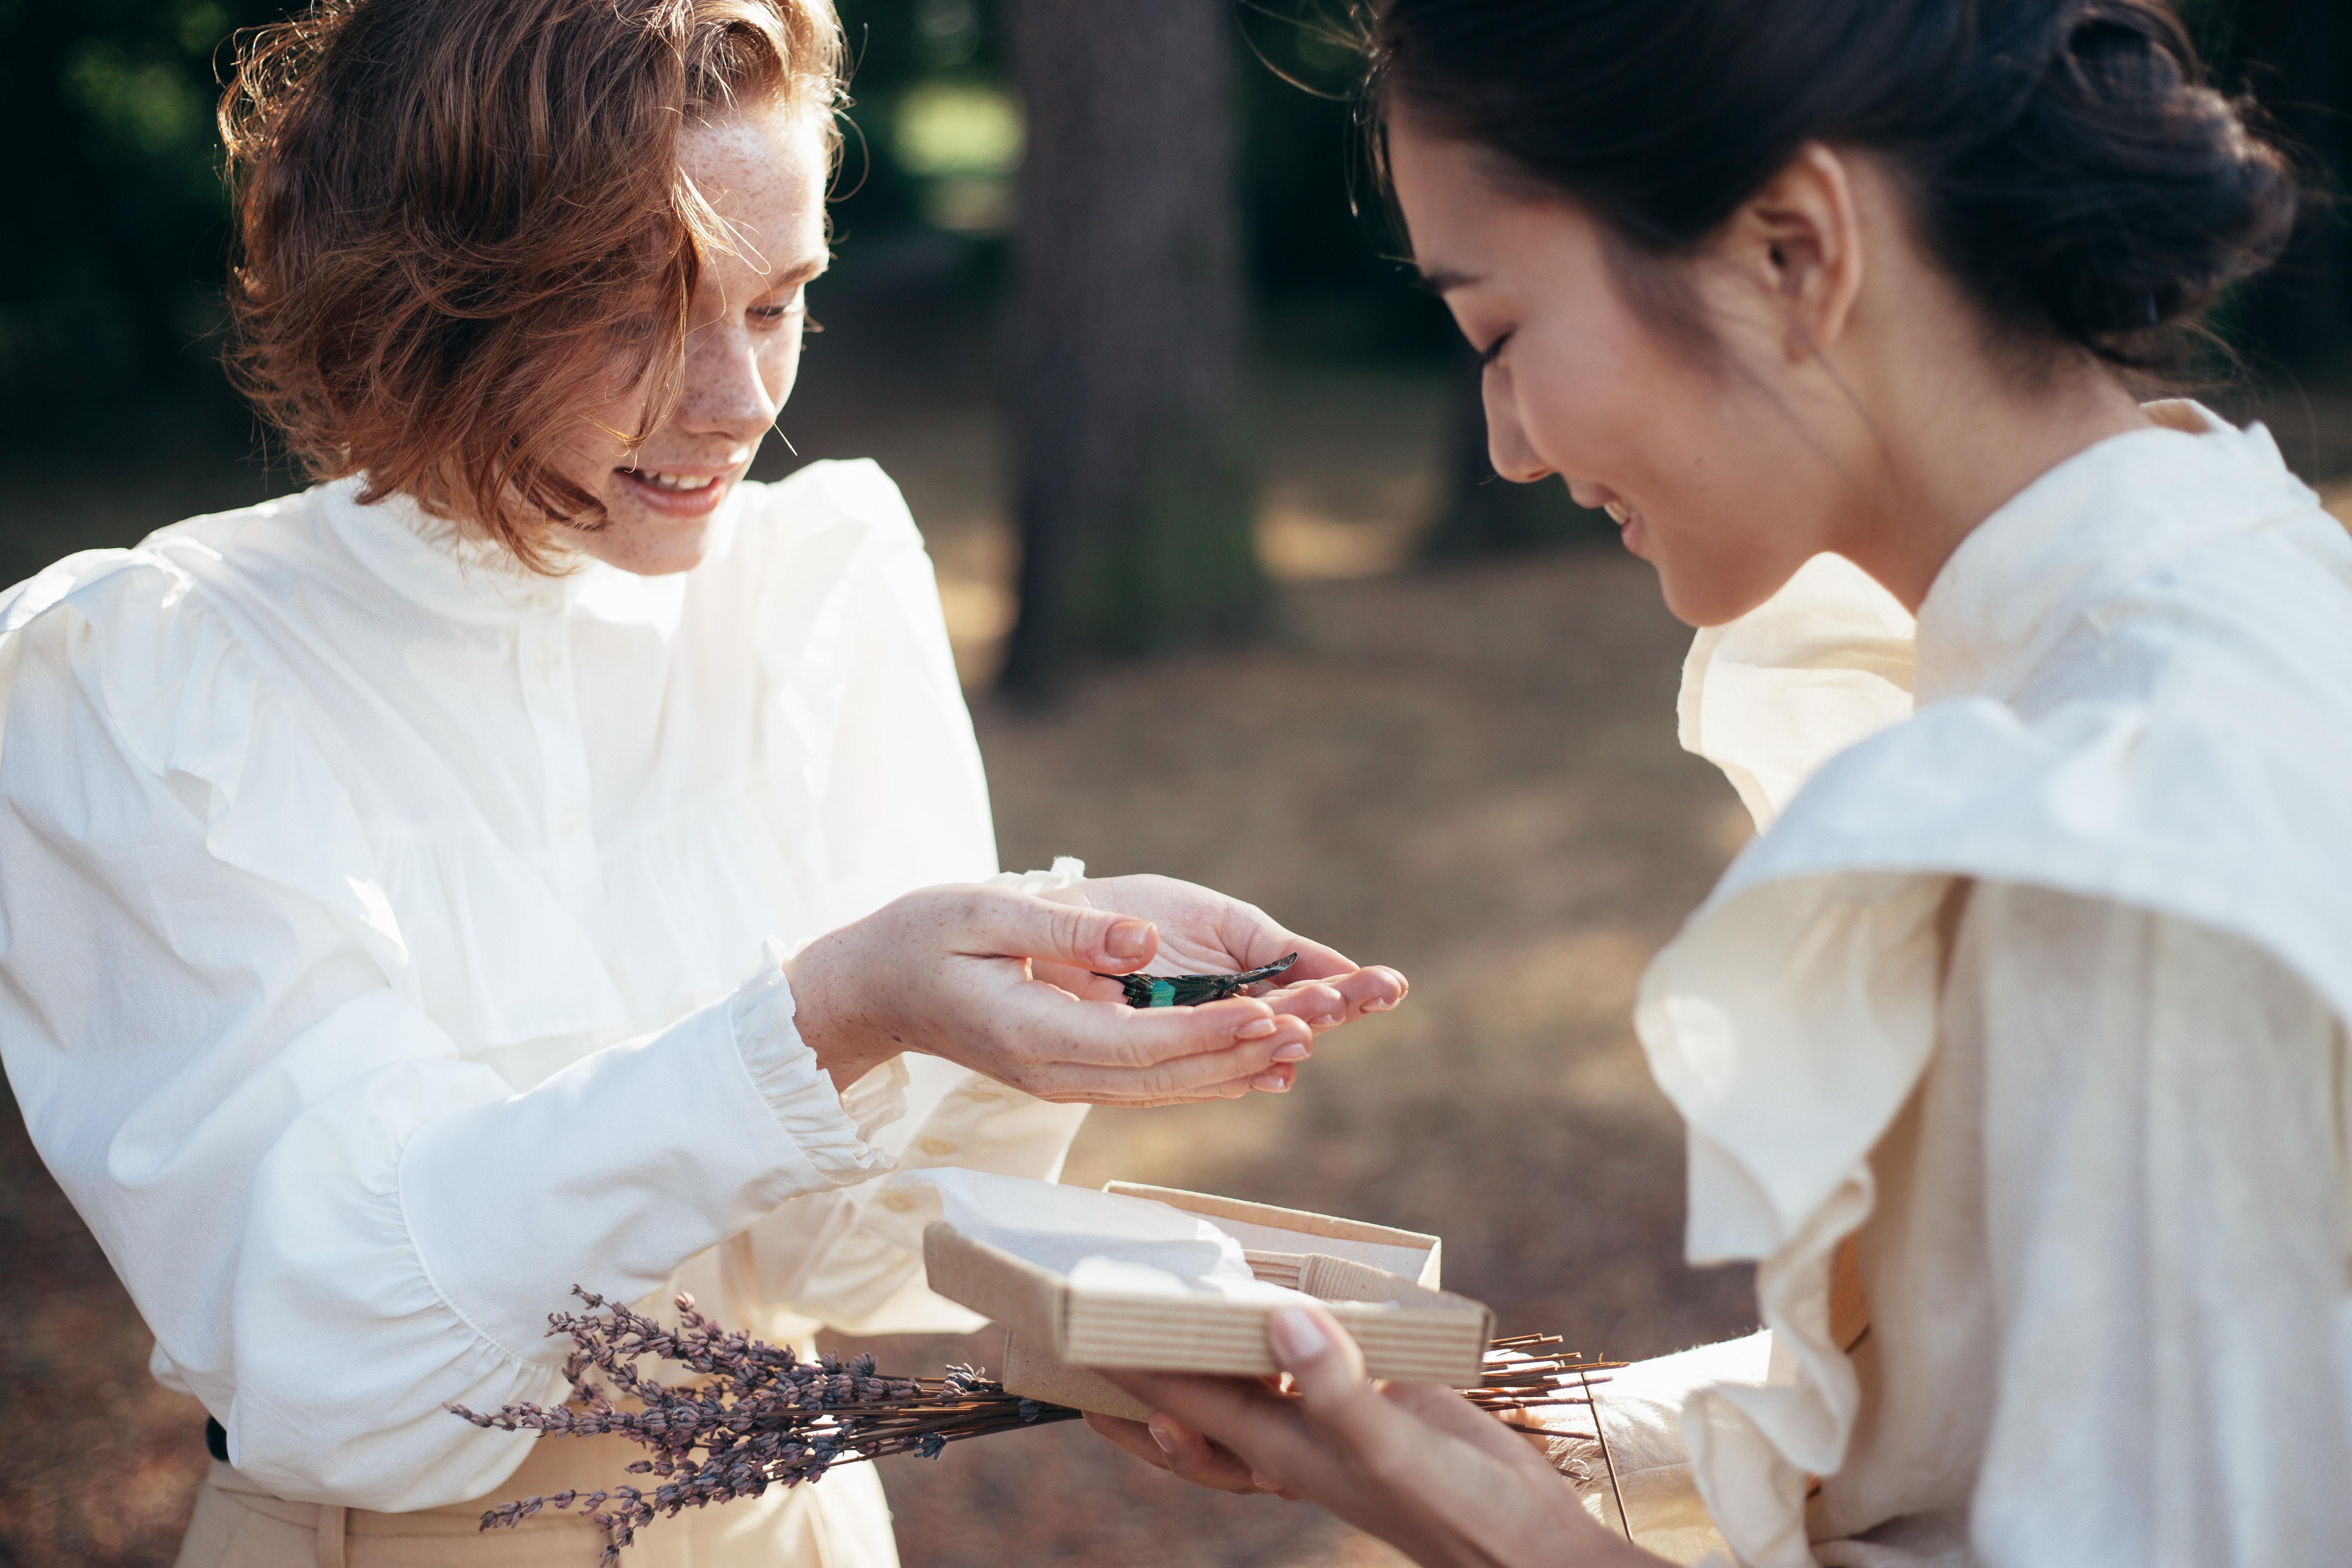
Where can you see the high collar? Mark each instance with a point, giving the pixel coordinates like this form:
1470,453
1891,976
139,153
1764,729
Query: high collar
428,562
2027,574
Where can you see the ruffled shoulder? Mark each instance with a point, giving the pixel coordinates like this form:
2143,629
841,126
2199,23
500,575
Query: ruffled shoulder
2177,739
1821,664
188,703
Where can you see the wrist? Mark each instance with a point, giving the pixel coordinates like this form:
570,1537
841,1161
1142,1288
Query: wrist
829,1009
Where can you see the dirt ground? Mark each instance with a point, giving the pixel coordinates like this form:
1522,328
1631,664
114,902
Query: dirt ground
1471,775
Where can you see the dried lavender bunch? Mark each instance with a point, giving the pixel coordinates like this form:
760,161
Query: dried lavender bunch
755,1415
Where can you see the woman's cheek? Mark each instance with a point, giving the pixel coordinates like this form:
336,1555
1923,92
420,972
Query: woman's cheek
779,367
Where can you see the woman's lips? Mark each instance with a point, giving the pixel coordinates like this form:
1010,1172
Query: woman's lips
675,493
1630,532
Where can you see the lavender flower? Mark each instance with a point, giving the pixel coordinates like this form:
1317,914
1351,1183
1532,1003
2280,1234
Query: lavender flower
755,1416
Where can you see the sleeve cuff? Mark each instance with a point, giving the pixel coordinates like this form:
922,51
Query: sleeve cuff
1068,872
832,1127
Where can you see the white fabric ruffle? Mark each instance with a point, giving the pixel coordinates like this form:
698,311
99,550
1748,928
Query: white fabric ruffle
2127,659
836,1128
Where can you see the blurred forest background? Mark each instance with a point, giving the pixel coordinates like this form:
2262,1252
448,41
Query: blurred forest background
1234,592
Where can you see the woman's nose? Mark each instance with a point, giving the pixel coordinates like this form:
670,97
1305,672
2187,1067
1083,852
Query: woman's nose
724,393
1506,441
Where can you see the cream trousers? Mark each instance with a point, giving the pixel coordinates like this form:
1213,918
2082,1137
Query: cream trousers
841,1522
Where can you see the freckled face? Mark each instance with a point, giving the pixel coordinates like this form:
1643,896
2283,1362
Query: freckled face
762,168
1686,453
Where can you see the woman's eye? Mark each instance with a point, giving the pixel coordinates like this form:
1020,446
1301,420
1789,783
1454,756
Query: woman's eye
777,314
1493,351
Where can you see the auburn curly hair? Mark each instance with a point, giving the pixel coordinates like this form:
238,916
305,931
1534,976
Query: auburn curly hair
462,230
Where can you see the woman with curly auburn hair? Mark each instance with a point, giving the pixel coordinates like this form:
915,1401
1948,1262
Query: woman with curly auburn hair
2016,1051
387,868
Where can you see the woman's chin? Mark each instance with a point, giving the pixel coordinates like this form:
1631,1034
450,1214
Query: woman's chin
636,539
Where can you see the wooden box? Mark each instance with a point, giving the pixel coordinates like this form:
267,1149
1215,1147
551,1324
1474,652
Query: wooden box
1382,1285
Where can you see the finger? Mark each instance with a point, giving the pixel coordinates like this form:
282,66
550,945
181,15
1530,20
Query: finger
1274,1081
1445,1411
1263,1427
1254,1062
1255,939
1327,1377
1132,1435
1053,1026
1266,1483
1222,1406
1342,999
1320,1001
1196,1460
996,922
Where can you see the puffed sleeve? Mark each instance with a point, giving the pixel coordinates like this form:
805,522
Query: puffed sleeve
331,1221
2168,1232
905,807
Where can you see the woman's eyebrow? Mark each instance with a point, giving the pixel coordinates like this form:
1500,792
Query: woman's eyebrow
1444,279
807,269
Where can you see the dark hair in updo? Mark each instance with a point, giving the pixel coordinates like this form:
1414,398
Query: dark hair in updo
2067,162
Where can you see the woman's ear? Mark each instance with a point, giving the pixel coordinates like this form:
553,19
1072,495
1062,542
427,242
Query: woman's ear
1801,239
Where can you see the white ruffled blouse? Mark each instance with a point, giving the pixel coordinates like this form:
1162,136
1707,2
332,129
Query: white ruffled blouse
375,923
2038,988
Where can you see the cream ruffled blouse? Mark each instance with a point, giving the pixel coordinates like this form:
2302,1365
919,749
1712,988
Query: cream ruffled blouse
374,928
2038,988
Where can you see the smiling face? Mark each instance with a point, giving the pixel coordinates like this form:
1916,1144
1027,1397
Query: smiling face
762,169
1684,440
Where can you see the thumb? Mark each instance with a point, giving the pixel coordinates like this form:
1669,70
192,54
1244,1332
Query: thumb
1014,925
1327,1374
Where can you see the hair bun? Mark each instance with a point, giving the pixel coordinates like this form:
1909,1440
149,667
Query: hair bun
2147,195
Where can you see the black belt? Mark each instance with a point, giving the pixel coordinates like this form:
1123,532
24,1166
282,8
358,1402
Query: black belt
216,1439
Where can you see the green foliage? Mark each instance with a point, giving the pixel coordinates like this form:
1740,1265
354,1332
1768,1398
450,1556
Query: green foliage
115,286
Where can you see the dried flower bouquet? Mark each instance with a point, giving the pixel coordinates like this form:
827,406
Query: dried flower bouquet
756,1415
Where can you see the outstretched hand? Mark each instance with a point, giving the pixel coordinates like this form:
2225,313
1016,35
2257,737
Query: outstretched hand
1202,932
1416,1465
1006,985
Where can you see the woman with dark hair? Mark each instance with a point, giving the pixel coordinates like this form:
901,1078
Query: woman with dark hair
384,871
2013,1052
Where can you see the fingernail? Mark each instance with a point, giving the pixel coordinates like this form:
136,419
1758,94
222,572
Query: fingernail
1271,1083
1264,1482
1163,1436
1297,1338
1127,939
1330,1020
1256,1029
1379,1004
1290,1051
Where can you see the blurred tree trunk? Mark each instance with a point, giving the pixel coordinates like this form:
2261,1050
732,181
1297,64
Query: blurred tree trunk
1482,513
1130,491
2297,55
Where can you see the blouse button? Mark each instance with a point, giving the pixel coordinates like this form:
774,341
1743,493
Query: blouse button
898,1203
976,1092
938,1146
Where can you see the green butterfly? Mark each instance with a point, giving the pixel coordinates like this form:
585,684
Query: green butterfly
1192,990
